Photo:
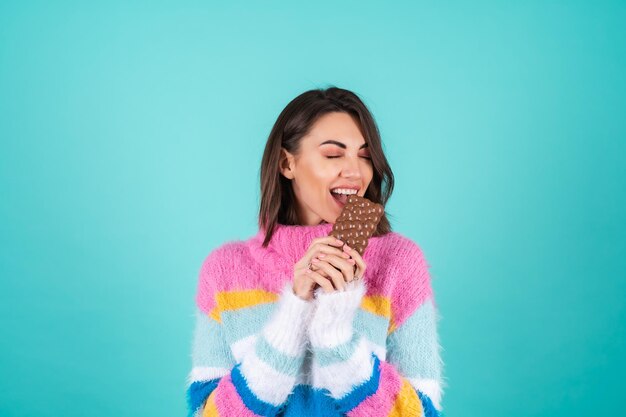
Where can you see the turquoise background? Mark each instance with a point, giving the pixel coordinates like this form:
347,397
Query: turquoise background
131,139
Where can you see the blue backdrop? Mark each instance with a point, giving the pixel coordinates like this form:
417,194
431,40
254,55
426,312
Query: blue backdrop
131,139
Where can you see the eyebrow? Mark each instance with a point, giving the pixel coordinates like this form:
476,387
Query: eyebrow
341,145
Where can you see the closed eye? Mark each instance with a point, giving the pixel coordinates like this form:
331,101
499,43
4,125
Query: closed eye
332,157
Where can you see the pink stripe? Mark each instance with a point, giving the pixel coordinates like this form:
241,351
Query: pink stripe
396,268
231,268
228,401
413,282
380,403
205,298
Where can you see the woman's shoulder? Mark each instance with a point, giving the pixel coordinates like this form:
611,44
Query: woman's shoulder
224,256
227,259
398,262
220,270
402,273
395,248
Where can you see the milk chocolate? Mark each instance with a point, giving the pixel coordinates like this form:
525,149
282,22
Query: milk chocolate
357,222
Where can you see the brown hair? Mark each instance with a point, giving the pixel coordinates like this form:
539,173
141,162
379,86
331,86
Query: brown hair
278,204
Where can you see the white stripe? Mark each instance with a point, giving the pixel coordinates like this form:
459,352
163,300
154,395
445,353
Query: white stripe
265,382
304,376
286,330
243,346
204,373
342,377
331,325
430,387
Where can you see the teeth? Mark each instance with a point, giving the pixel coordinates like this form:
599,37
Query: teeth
343,191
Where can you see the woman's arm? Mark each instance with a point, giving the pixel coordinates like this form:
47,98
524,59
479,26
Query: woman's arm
408,382
211,360
261,381
362,384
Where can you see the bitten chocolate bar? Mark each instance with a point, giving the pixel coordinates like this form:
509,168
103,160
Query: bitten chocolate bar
357,222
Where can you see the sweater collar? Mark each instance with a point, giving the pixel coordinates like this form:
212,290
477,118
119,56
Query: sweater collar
288,245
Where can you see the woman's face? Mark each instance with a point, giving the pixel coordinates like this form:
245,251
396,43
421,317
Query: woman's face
333,155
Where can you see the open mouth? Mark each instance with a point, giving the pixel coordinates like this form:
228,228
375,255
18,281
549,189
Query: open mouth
341,199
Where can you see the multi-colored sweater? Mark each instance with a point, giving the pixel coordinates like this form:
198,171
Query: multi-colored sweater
259,350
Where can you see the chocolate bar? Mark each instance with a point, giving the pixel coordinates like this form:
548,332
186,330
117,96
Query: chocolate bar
357,222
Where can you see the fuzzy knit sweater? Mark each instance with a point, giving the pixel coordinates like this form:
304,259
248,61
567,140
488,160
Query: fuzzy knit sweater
259,350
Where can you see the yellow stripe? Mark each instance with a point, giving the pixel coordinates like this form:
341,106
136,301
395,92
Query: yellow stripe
407,403
381,306
210,409
377,304
215,314
234,300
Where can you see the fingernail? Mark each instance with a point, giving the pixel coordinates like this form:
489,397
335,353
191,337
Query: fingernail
308,271
315,260
321,255
345,255
346,248
339,241
352,261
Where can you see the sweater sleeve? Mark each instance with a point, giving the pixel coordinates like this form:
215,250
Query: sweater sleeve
260,383
405,383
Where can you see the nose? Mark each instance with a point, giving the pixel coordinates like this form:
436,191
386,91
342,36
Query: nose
351,168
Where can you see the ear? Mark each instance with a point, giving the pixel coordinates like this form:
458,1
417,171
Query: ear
286,164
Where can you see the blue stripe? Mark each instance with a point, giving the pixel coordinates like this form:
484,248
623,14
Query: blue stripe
427,404
308,401
413,348
245,321
209,346
278,360
372,326
341,353
199,391
250,400
369,387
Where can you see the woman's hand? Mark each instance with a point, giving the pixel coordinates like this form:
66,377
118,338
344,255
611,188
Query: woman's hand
339,269
303,282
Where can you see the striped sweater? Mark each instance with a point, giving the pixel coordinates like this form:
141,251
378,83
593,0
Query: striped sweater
259,350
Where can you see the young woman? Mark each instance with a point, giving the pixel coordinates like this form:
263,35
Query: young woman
292,322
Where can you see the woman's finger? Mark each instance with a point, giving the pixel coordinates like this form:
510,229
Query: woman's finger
319,248
361,266
326,248
329,240
346,266
336,276
318,270
320,280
